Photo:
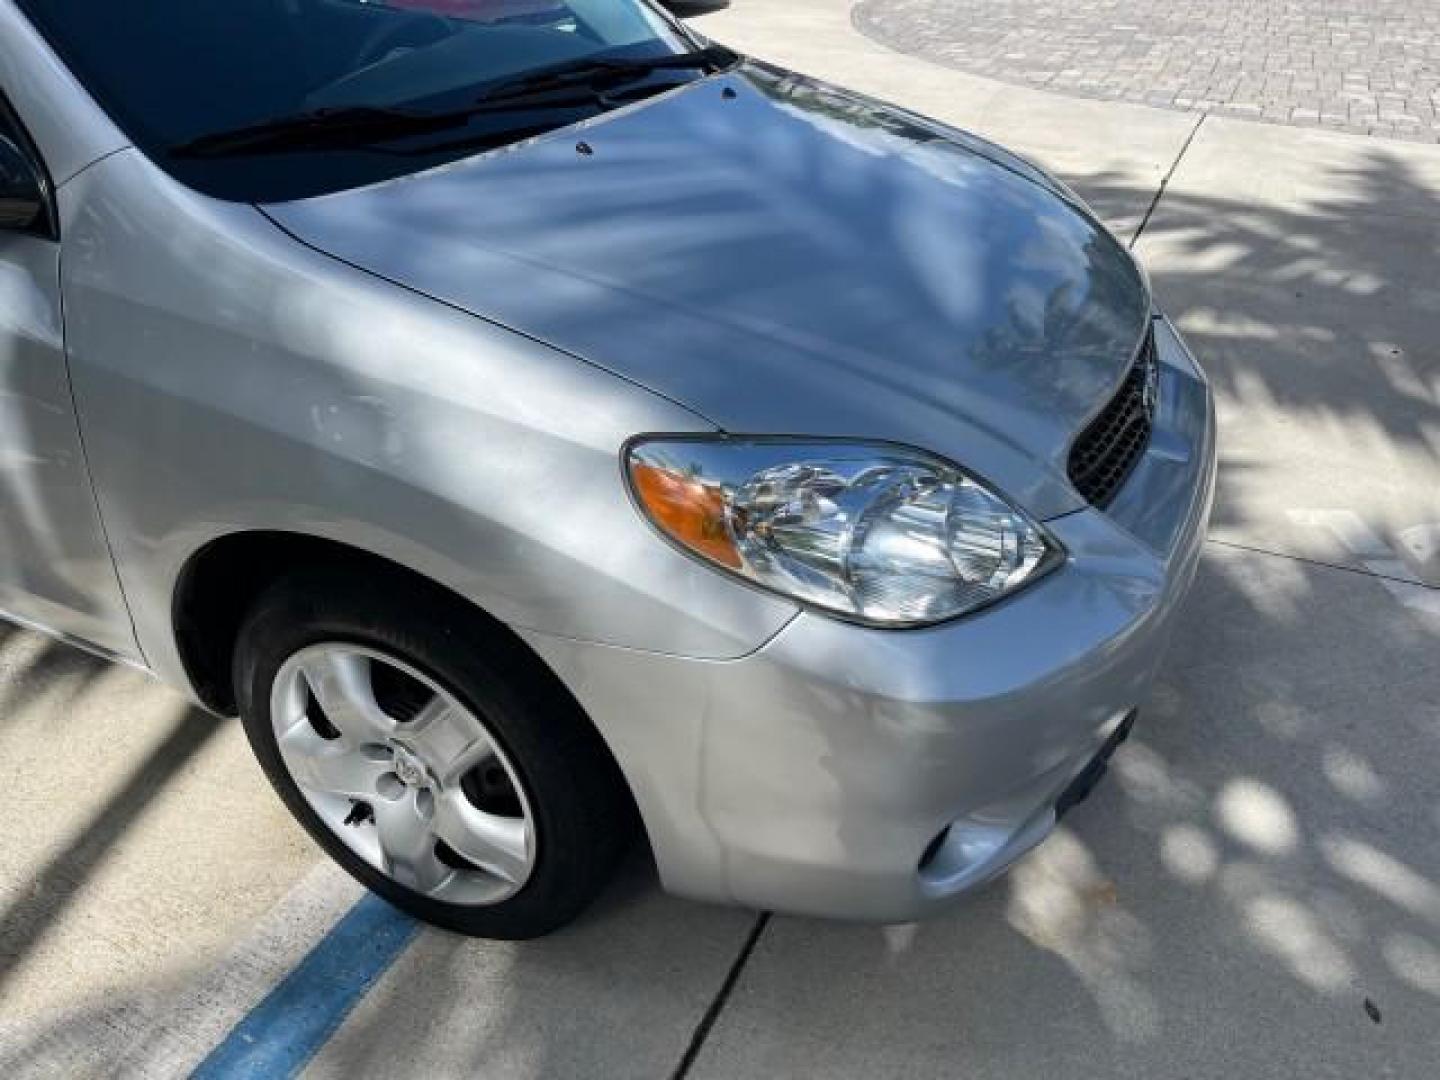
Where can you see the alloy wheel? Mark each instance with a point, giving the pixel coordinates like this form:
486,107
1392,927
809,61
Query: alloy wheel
407,776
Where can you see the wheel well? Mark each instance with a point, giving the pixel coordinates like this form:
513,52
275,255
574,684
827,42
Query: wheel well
222,581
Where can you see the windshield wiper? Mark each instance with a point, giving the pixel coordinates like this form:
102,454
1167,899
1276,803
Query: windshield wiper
321,129
368,125
590,70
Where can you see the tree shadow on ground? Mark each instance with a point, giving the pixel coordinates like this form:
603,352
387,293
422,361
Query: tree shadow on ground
1314,316
31,910
1325,309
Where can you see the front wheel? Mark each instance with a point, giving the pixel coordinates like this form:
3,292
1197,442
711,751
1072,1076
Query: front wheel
429,754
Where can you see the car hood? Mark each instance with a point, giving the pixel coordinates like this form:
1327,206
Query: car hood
781,257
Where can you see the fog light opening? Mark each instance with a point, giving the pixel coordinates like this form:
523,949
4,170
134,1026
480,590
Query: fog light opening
933,848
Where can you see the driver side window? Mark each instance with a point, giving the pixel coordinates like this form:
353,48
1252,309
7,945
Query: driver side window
25,203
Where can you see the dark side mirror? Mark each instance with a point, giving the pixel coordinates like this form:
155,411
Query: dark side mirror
22,191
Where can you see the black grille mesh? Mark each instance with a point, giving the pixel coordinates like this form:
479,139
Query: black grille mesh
1109,447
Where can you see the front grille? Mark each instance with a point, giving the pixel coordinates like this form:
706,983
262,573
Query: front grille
1107,450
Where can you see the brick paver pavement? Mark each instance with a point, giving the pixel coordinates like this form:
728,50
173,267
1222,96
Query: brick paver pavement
1369,66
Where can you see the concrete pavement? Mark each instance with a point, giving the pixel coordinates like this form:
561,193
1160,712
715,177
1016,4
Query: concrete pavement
1264,859
619,995
140,844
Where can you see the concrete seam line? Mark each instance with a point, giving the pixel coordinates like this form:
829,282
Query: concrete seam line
702,1029
1165,181
1361,570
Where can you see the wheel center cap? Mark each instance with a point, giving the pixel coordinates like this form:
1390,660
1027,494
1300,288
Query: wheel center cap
409,768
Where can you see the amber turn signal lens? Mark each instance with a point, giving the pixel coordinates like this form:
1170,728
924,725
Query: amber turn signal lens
690,510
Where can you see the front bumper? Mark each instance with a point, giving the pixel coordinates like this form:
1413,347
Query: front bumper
816,774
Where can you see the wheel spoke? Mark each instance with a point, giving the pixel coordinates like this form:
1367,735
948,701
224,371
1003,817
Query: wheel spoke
340,682
498,844
330,766
396,790
407,844
451,739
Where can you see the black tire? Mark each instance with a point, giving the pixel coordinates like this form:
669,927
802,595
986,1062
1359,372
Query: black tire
582,813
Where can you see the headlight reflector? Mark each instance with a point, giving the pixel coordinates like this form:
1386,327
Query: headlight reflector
875,533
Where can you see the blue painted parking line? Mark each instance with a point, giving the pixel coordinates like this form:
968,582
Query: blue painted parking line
285,1030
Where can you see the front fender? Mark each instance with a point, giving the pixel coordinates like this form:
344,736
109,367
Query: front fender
229,378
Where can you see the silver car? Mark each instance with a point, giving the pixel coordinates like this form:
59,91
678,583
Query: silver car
543,426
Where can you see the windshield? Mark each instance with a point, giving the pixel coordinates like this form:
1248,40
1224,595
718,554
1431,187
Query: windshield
180,74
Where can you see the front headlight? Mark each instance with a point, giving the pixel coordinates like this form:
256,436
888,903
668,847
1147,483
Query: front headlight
875,533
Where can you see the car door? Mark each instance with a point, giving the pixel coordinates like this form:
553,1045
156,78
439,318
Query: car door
55,565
